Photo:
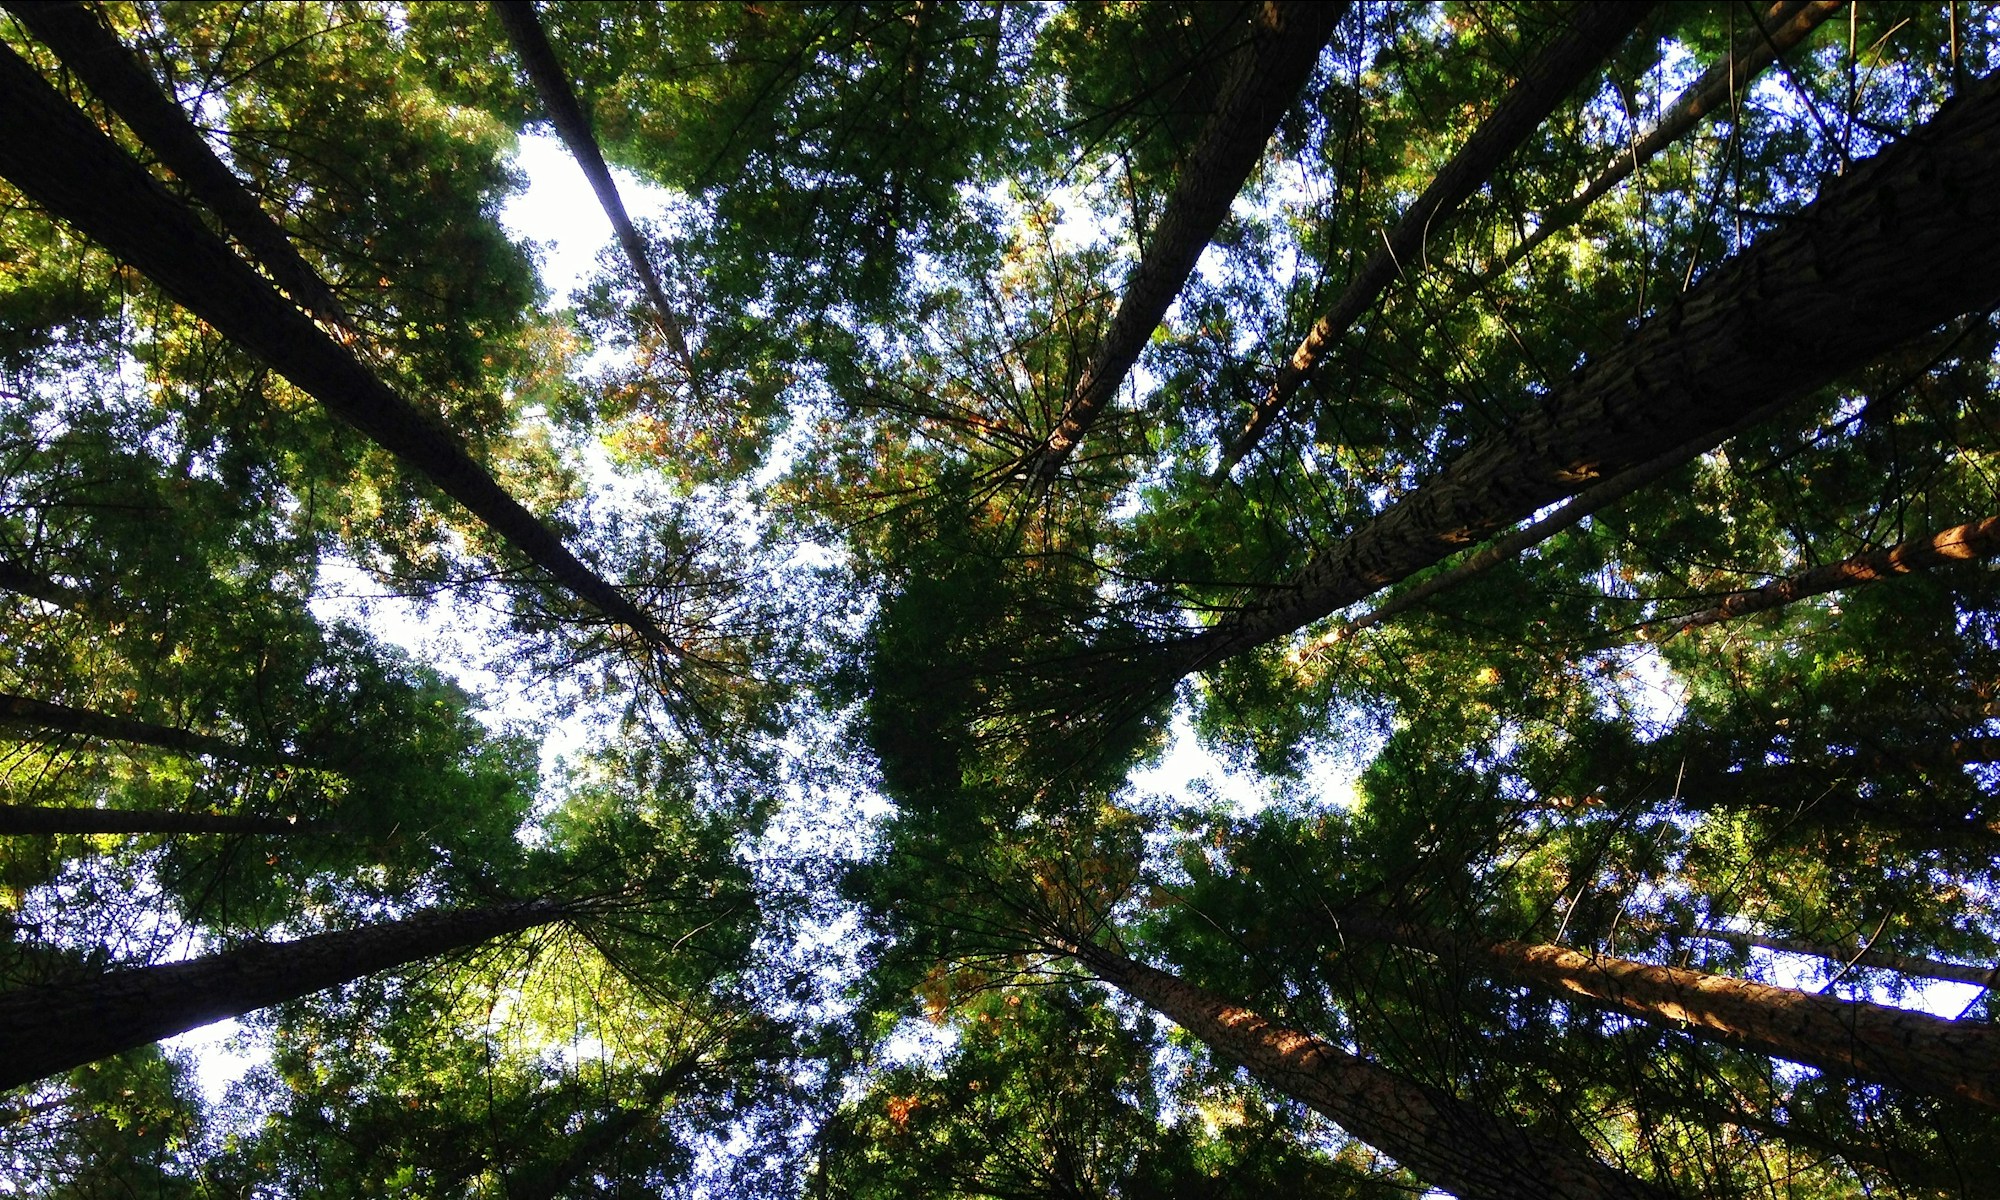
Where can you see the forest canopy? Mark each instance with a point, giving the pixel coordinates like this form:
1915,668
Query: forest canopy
1091,600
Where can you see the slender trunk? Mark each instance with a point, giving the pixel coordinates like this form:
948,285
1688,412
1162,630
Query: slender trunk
589,1148
65,164
27,819
1266,79
1962,543
1444,1141
1783,26
21,712
21,581
118,77
1895,247
572,125
1594,30
1887,960
1911,1050
54,1027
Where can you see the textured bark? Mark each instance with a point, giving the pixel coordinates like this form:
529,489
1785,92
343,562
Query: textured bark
1265,80
1875,1042
1887,960
1444,1141
65,164
52,1028
1594,31
28,819
22,712
572,125
117,76
1783,26
1895,247
1963,543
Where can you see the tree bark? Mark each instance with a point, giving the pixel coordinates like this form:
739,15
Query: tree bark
1266,79
21,581
30,819
54,1027
1877,1042
22,712
572,125
1962,543
1594,30
123,82
65,164
1444,1141
1783,26
1895,247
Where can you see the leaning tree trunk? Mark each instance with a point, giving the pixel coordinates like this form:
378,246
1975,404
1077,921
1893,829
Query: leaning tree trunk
22,712
65,164
1594,31
572,124
1895,247
32,819
117,77
1441,1139
21,581
1911,1050
54,1027
1266,79
1782,26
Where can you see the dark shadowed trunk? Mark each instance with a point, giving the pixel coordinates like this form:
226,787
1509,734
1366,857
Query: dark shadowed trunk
572,123
65,164
52,1028
21,581
28,819
22,712
1444,1141
1890,250
122,81
1593,32
1262,85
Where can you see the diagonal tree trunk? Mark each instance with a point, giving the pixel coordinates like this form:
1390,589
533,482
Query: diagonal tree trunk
86,47
18,579
572,124
65,164
54,1027
1895,247
1963,543
1264,82
1783,26
1594,31
1443,1140
1876,1042
23,712
33,819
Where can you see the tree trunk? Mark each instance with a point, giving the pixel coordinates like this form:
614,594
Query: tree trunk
1594,31
65,164
1895,247
26,819
117,76
1266,79
1963,543
1444,1141
1783,26
572,125
1876,1042
21,712
21,581
54,1027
